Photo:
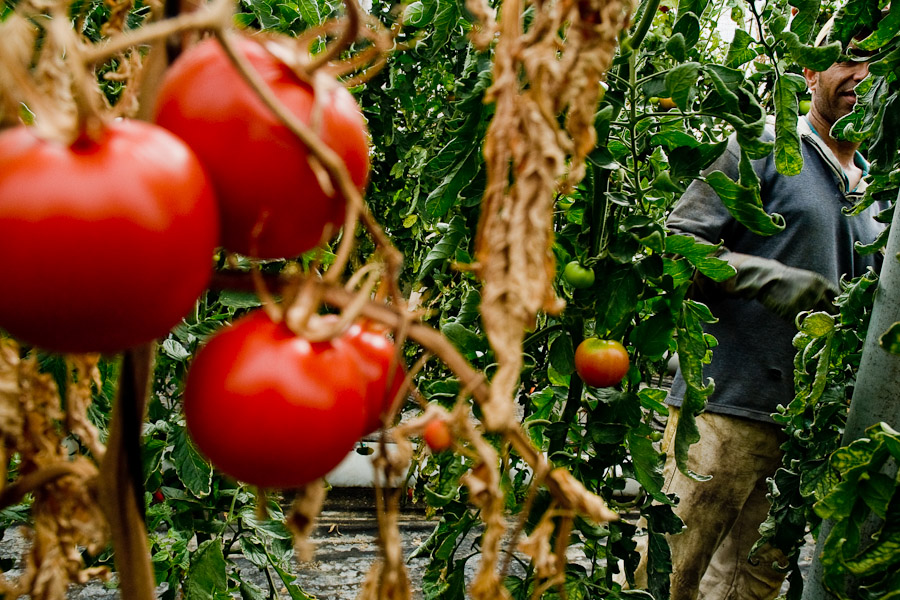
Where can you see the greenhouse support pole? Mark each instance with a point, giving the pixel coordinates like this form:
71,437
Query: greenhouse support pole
876,396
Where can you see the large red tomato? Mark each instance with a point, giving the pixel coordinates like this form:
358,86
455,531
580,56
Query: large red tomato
105,243
377,354
601,363
260,169
273,409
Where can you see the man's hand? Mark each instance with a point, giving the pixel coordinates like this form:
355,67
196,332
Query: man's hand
784,290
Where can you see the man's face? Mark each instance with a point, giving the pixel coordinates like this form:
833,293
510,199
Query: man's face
832,89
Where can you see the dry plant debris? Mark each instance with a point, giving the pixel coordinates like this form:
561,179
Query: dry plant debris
65,514
550,70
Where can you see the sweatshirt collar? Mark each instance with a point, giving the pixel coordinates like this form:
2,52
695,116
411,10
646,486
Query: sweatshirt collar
809,132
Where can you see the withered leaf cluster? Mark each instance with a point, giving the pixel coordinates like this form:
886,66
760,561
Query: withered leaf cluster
64,511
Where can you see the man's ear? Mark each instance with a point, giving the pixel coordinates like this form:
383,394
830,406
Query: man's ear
812,78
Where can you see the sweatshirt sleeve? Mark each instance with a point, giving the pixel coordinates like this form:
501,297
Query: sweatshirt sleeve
699,212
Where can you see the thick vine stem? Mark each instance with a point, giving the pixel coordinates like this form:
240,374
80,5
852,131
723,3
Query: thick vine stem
121,476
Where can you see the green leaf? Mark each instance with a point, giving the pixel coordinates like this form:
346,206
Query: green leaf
250,591
876,490
886,31
663,183
294,590
445,195
309,10
681,82
648,462
674,138
607,434
265,528
818,324
446,20
654,399
652,335
723,88
254,551
739,52
206,575
618,298
175,350
803,22
676,47
239,299
853,15
745,205
692,348
562,355
688,161
688,26
880,556
445,249
890,339
462,337
419,14
788,158
192,469
817,58
689,247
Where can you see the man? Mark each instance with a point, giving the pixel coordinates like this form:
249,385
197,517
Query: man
777,277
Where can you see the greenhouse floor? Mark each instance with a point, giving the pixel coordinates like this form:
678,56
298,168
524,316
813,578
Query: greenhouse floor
345,548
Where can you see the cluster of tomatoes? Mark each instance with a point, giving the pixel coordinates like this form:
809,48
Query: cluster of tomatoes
108,242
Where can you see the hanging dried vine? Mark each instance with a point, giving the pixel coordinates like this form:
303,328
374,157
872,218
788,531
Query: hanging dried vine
65,514
546,73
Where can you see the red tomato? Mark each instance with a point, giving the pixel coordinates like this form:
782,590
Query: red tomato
601,363
437,435
106,244
260,170
273,409
377,352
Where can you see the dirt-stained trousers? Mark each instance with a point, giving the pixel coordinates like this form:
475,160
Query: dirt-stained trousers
722,515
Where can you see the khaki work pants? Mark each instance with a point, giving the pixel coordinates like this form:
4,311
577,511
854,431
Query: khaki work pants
722,515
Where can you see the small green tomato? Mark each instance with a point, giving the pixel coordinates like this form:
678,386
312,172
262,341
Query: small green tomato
577,276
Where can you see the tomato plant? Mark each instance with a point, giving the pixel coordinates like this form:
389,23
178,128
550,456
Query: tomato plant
259,168
601,363
437,435
273,409
107,241
577,276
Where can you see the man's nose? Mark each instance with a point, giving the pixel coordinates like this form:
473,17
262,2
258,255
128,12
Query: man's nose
861,71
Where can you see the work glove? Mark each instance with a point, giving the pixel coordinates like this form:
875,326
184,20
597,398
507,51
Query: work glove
784,290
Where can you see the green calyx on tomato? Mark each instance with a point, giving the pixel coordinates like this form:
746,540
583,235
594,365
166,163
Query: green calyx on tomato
601,363
577,276
271,202
108,242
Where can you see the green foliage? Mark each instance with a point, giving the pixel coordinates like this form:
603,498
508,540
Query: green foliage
427,117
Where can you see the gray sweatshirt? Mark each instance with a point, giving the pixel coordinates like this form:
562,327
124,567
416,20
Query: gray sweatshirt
753,364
